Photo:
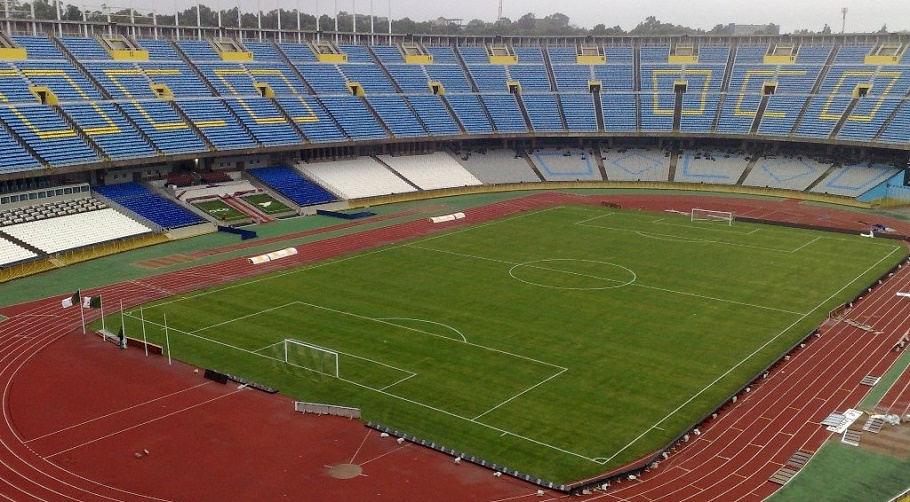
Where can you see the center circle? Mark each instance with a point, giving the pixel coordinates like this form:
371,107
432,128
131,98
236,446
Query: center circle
573,274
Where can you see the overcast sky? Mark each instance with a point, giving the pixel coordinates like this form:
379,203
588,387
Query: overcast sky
791,15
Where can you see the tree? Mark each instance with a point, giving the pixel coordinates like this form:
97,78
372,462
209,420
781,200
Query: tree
883,29
826,30
526,23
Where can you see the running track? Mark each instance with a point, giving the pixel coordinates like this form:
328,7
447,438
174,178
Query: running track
731,460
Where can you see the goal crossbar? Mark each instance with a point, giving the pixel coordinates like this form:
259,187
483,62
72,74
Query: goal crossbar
294,349
698,214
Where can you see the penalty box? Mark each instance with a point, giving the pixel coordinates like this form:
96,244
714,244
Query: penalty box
423,361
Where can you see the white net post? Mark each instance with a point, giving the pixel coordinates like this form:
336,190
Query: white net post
698,214
311,357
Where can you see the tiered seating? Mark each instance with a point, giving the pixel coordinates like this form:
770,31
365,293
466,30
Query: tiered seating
410,78
279,76
543,112
262,51
84,49
289,183
104,124
48,135
356,53
723,168
161,123
822,115
855,179
560,55
297,52
149,205
394,111
636,165
532,77
570,164
73,231
11,253
356,178
369,76
61,78
38,47
619,112
505,112
14,158
854,54
217,124
470,112
387,53
898,130
266,122
227,79
698,112
579,112
780,115
817,54
531,54
451,76
324,78
13,86
198,50
473,54
497,166
788,172
445,55
614,77
120,79
489,77
179,78
750,54
434,114
354,117
433,171
311,118
159,49
47,210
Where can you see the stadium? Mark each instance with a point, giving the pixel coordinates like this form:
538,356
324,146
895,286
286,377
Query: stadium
251,263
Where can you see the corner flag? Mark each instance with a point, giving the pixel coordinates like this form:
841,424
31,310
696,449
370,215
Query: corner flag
70,301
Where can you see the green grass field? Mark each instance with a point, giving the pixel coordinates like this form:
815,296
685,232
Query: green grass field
562,342
220,210
266,203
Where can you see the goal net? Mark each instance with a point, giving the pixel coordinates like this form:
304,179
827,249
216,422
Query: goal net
709,215
311,357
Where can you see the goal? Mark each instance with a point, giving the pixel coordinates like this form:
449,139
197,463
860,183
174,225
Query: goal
311,357
709,215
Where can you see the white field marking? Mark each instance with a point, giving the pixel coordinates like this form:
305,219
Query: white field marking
412,375
722,300
655,235
538,384
634,284
162,417
304,268
756,351
466,419
463,339
429,333
531,264
243,317
108,415
402,398
726,230
806,244
672,238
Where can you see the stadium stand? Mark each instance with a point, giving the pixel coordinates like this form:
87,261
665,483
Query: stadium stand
289,183
161,123
716,167
77,230
636,164
543,112
855,179
10,253
45,132
149,205
504,110
468,109
433,113
569,164
214,121
312,119
579,112
785,171
395,112
104,124
355,178
497,166
266,122
431,171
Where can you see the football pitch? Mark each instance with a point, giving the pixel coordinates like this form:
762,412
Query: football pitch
562,342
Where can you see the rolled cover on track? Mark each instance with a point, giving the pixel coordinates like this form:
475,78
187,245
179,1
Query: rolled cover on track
447,217
274,255
903,293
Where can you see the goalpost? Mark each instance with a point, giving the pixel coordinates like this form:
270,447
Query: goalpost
311,357
710,215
